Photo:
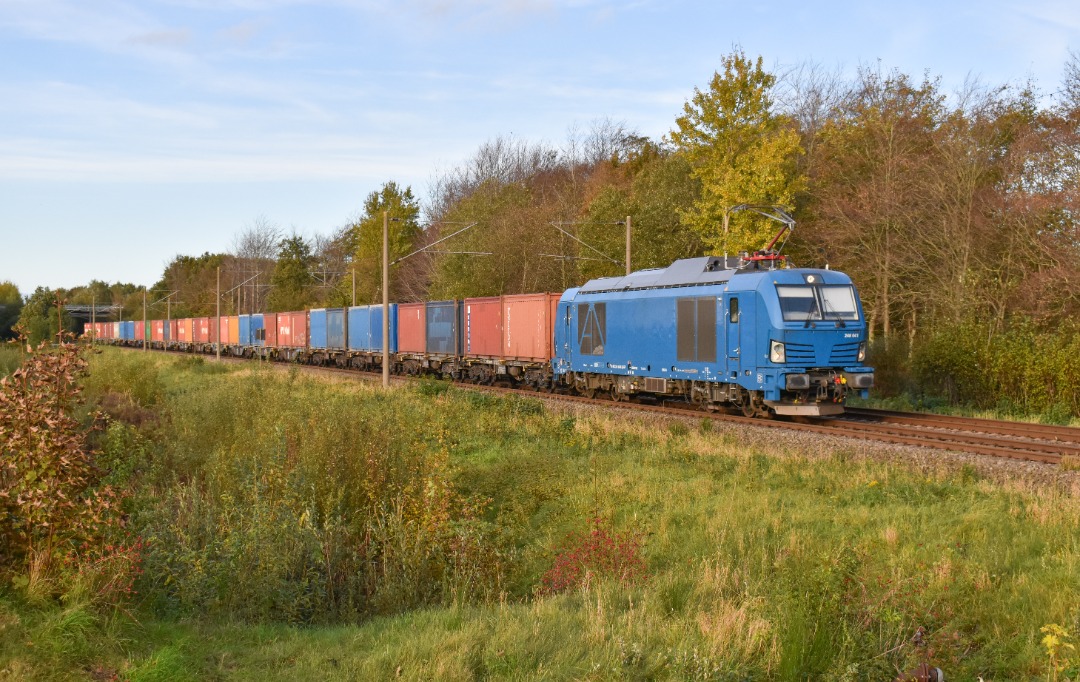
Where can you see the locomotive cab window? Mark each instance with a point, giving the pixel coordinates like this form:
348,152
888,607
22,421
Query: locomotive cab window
838,303
798,303
803,303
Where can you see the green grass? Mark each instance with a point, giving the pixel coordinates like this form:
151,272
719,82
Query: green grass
1059,414
763,563
11,355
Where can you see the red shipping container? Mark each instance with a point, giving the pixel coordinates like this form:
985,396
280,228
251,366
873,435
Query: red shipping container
87,329
101,330
157,330
292,329
412,328
140,330
224,324
174,328
201,329
270,329
483,327
528,325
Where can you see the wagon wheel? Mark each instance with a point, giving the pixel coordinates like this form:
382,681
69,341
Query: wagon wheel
589,393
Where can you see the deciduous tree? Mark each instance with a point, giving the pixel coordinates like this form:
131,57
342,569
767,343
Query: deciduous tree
10,307
291,282
741,151
871,189
402,212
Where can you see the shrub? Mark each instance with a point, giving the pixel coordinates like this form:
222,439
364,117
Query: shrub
1021,371
59,530
597,553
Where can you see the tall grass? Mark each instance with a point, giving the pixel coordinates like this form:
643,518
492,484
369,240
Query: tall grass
289,499
11,356
420,523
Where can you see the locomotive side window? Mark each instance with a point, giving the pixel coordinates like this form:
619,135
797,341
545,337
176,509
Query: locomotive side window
733,312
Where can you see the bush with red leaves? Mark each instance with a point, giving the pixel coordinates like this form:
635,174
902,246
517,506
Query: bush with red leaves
597,553
56,523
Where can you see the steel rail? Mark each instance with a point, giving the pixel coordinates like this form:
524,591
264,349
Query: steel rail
1066,434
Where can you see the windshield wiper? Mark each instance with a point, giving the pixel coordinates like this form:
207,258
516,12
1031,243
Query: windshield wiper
839,320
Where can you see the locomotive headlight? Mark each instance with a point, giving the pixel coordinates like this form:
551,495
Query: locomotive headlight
777,352
862,352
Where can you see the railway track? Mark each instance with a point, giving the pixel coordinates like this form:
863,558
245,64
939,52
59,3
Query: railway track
1014,440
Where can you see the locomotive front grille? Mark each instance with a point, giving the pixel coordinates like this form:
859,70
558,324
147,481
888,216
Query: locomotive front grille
800,354
844,354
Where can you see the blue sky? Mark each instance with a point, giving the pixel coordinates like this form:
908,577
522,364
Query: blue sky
131,132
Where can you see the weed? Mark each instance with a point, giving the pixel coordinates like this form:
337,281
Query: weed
1059,649
428,386
596,554
678,429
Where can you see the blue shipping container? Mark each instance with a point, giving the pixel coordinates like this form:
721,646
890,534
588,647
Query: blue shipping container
443,328
251,330
258,330
127,331
317,328
335,328
365,328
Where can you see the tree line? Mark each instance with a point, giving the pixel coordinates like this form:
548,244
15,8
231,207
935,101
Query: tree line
949,210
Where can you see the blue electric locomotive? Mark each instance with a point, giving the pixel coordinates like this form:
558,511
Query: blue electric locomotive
744,332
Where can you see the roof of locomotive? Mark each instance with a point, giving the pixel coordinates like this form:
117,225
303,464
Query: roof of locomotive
687,272
690,272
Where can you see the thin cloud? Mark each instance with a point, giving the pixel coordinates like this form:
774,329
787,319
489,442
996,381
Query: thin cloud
166,38
243,33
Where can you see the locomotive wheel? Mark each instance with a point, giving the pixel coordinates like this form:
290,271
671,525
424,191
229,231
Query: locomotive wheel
746,404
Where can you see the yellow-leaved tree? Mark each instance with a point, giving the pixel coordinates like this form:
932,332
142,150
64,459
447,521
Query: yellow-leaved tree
741,152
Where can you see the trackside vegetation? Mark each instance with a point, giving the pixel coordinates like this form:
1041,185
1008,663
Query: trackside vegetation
275,525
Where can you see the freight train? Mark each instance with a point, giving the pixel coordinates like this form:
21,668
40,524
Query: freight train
746,332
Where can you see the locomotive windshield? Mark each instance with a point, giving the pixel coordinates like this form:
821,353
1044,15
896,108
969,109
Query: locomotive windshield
803,303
